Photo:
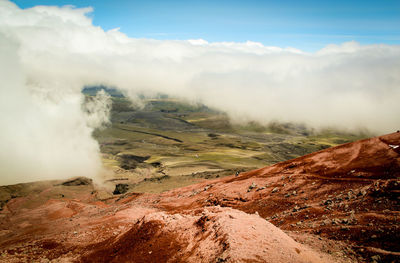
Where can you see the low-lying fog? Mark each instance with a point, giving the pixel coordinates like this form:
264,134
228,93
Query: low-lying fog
48,54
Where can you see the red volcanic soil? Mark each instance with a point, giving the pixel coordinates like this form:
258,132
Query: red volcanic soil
337,205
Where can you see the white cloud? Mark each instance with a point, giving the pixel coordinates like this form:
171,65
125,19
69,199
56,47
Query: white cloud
48,54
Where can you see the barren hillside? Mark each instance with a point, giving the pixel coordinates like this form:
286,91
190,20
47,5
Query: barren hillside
337,205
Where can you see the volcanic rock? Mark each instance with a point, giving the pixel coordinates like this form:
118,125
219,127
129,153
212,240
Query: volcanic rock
78,181
121,189
179,226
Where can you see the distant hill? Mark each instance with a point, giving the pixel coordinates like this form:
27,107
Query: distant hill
92,91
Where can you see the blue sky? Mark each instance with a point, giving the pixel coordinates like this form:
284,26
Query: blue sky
307,25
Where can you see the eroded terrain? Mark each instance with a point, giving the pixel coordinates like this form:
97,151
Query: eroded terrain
337,205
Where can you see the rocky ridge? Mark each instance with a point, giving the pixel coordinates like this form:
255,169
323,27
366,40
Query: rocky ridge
337,205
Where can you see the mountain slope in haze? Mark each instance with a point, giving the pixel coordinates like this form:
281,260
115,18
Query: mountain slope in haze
337,205
178,143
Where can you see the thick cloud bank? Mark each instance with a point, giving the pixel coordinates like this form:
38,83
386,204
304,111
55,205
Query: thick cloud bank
47,54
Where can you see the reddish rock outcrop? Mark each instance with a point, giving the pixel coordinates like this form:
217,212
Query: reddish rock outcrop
337,205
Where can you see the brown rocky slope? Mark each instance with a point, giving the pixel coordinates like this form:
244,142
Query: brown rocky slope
337,205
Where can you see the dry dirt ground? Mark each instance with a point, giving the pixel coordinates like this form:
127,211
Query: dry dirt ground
336,205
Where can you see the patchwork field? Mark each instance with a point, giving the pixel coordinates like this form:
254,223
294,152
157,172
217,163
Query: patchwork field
169,143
